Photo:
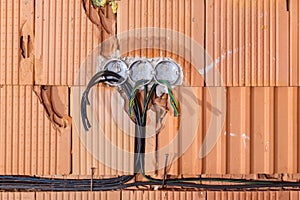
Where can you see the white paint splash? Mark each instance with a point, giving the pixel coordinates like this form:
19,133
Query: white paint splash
233,134
245,137
217,61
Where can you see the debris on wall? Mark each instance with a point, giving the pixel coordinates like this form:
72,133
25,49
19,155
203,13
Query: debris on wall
54,106
100,16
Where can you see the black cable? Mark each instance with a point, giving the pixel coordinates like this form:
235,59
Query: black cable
85,102
148,98
84,185
121,182
140,121
100,77
181,180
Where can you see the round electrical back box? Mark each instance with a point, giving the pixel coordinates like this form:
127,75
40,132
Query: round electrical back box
141,70
119,67
167,70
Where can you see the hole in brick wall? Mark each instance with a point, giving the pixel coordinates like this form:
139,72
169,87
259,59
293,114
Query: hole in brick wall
22,47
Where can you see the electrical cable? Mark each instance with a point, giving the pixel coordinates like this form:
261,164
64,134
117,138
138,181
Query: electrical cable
121,182
84,185
173,101
140,142
162,181
146,103
101,77
98,78
137,85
